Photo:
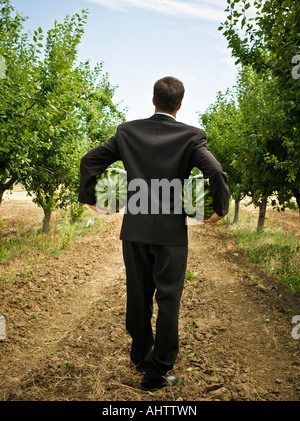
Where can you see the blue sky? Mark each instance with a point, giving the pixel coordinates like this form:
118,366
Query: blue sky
141,41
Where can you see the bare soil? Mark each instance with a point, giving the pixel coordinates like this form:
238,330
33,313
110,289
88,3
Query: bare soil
66,338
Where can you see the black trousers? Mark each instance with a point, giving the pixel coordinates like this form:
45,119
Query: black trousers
161,270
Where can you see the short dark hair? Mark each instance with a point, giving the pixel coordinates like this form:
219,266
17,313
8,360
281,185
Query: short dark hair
168,93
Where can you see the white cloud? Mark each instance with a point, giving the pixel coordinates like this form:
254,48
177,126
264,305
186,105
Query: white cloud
193,8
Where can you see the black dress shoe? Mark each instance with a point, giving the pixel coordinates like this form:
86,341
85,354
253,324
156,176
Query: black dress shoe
152,385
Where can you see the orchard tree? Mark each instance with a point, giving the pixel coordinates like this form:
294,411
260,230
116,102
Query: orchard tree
223,126
269,42
16,83
241,126
259,120
67,105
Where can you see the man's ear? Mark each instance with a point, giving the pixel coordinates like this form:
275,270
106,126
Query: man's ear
153,101
179,106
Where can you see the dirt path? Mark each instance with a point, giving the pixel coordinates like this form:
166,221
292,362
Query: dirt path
66,337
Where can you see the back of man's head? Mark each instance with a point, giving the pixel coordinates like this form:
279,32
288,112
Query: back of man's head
168,93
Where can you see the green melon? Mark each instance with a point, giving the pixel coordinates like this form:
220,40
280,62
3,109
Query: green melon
111,190
197,199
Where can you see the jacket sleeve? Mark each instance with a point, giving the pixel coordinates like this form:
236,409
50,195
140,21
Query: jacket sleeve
211,169
92,165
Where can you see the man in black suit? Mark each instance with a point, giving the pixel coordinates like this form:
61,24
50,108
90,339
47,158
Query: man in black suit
155,242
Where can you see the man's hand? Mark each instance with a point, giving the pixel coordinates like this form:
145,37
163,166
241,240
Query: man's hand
93,207
213,219
98,210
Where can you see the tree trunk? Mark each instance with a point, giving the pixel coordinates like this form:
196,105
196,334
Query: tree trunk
236,210
296,193
262,214
6,185
46,221
1,193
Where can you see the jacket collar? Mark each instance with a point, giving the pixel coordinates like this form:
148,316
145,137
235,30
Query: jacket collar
163,117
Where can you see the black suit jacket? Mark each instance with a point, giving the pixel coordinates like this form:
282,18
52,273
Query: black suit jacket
158,147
